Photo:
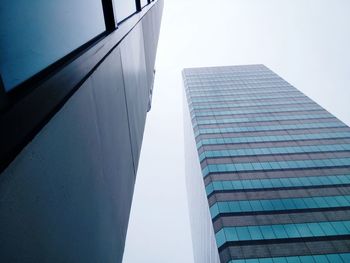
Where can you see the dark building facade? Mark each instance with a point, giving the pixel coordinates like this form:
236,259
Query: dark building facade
76,84
267,169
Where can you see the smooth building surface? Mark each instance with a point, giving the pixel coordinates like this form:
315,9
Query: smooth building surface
66,196
274,169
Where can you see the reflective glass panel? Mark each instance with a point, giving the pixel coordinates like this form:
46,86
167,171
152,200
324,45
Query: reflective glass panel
35,34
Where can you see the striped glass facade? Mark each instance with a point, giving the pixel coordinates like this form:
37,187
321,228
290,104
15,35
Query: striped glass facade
275,167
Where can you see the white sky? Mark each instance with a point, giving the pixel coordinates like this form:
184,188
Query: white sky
306,42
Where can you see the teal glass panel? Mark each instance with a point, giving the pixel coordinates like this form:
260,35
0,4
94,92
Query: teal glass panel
255,232
267,232
293,137
274,165
35,34
334,258
220,237
279,150
243,233
262,119
322,258
278,204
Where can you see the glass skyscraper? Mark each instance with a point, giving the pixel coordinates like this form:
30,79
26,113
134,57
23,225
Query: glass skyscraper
267,170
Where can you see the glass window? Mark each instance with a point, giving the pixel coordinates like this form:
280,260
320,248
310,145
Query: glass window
321,259
214,210
234,207
35,34
223,207
304,230
339,228
293,260
328,228
255,233
220,237
279,231
245,206
279,260
231,234
307,259
345,257
291,230
334,258
144,3
316,230
243,233
123,9
267,232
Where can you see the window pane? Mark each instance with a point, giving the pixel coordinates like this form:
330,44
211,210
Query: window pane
144,2
37,33
124,8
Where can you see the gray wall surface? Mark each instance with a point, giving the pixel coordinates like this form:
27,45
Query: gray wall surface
203,237
67,196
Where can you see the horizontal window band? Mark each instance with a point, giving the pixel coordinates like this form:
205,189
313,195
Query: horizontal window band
269,156
321,130
224,127
257,116
264,234
274,189
233,98
233,88
274,150
221,107
239,91
281,218
265,123
281,212
260,111
250,101
324,258
263,119
279,165
288,250
282,205
275,138
301,101
275,174
258,162
269,128
277,183
212,82
284,240
247,97
238,87
224,86
280,199
278,161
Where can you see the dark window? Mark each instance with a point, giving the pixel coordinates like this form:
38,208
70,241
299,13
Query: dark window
35,34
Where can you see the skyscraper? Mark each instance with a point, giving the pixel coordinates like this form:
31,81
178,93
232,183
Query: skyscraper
267,170
76,80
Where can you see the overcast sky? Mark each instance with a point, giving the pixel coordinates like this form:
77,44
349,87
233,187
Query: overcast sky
304,41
